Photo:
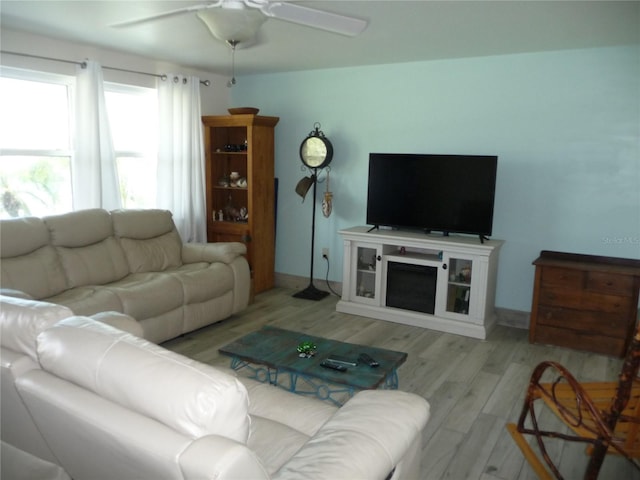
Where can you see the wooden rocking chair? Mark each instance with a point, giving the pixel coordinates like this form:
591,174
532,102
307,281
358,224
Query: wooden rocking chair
603,415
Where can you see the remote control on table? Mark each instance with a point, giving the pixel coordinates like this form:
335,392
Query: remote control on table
343,360
364,358
333,365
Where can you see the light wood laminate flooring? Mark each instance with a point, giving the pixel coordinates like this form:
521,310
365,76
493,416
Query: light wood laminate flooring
474,386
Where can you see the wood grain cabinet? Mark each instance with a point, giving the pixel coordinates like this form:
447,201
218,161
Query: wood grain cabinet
240,188
585,302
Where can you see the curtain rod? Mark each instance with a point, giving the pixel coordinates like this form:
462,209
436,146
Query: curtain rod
84,65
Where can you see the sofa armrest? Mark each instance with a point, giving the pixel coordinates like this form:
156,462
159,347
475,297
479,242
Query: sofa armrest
220,458
10,292
123,443
299,412
224,252
366,438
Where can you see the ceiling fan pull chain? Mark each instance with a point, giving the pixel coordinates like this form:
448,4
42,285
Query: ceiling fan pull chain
232,44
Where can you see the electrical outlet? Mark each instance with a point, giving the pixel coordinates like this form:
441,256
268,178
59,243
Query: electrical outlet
325,253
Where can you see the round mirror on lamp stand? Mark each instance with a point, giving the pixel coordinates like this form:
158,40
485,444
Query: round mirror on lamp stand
316,153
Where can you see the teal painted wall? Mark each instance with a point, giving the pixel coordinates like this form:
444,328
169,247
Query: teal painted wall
565,125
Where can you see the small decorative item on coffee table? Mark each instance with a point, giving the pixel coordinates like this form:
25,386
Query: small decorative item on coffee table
306,349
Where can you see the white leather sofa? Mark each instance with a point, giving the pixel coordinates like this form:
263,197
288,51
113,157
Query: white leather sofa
109,405
25,455
128,261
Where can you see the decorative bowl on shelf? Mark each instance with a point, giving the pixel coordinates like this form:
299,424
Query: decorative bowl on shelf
244,111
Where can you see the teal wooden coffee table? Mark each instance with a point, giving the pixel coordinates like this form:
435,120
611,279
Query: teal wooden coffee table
271,356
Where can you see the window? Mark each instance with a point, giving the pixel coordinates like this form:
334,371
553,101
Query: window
35,144
133,114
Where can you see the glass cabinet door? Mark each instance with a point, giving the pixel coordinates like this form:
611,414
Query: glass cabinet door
459,274
366,274
229,172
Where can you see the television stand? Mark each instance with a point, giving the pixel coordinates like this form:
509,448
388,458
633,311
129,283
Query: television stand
431,281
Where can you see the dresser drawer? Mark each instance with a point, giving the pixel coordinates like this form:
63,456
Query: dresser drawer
610,283
581,340
583,300
602,323
564,277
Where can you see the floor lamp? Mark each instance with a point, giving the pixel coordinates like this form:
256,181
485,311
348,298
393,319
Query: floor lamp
316,152
311,292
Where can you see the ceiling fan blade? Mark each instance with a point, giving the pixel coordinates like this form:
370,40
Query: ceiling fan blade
169,13
331,22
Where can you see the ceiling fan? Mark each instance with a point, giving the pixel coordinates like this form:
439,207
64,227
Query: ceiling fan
239,20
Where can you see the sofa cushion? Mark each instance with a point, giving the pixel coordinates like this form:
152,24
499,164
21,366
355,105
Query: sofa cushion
20,465
19,236
88,300
154,254
79,228
39,273
121,321
142,224
145,295
190,397
22,320
201,281
96,264
29,263
149,239
89,252
225,252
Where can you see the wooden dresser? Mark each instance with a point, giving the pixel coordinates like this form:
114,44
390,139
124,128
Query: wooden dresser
585,302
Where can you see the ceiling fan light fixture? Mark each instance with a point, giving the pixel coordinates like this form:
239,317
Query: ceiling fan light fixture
239,24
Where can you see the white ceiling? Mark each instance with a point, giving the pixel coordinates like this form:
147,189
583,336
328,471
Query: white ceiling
398,31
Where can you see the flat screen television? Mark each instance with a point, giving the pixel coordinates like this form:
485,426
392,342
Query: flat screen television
442,193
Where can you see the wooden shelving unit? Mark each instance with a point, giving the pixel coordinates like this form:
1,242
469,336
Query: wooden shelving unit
243,209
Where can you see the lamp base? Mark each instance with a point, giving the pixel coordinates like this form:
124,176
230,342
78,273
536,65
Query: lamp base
311,293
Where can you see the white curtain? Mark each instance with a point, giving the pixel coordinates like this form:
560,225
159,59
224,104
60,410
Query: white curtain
181,156
93,169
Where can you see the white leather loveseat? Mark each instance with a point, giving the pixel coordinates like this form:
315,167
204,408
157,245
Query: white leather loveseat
128,261
109,405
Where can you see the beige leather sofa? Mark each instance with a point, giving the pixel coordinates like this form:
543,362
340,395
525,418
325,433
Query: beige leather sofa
105,404
128,261
25,454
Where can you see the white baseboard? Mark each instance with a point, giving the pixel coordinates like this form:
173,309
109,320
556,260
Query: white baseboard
513,318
